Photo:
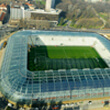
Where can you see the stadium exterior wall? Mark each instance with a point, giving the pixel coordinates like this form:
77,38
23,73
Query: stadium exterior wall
18,84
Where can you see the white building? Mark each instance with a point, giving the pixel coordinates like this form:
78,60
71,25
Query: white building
17,13
49,4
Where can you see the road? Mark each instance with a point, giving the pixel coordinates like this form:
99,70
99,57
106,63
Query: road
66,28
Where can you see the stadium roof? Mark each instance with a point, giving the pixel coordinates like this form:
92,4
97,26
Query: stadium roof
21,85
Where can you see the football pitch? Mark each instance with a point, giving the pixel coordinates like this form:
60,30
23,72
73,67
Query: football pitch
64,57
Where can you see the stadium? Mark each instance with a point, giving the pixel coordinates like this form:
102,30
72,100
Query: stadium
55,66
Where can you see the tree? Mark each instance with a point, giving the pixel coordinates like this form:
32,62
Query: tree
61,21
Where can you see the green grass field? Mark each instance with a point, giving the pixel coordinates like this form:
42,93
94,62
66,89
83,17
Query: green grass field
63,57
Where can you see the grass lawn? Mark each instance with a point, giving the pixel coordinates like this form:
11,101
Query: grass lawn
104,15
64,57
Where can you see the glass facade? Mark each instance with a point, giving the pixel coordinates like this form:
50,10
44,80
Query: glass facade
23,86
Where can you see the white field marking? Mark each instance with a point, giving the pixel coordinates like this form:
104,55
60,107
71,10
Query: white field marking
97,59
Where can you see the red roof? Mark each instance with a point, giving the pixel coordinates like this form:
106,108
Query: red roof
28,4
2,16
2,5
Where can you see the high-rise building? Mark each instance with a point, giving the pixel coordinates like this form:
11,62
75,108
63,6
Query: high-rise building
53,4
49,4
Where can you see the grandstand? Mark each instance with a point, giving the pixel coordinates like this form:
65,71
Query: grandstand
21,85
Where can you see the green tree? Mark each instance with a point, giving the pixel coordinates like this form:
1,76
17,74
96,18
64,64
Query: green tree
73,21
61,21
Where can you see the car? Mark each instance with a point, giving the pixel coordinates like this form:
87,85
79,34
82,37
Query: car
67,105
9,104
90,102
72,104
63,105
55,107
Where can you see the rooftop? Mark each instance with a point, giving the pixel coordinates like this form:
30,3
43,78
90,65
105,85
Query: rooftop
28,4
3,5
41,11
